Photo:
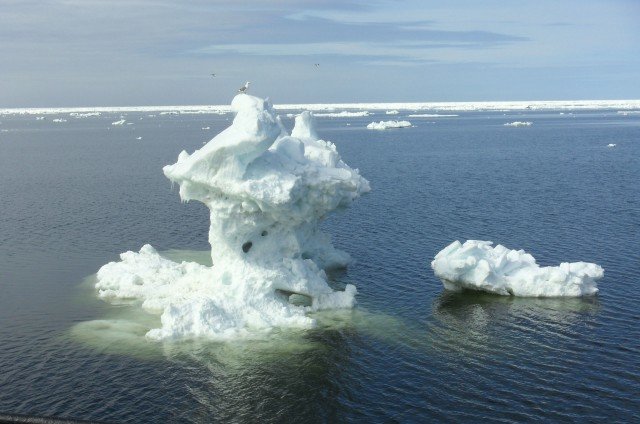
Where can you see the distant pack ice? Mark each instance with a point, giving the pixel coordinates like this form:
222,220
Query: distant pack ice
266,192
476,265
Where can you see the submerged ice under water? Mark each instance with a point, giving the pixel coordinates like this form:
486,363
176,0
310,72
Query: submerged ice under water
266,192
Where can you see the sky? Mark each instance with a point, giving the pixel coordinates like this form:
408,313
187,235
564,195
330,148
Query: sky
65,53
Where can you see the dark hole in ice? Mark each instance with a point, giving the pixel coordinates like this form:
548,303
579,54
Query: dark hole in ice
246,246
264,233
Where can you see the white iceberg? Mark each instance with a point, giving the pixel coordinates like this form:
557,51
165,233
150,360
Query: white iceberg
266,192
518,124
383,125
476,265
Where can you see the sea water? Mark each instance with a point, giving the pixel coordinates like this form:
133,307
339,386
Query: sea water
75,194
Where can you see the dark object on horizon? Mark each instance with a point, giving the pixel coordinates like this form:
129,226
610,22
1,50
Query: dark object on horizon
244,88
213,75
316,64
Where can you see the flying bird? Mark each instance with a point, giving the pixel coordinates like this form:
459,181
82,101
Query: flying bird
244,88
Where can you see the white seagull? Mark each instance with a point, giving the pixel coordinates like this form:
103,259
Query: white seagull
244,88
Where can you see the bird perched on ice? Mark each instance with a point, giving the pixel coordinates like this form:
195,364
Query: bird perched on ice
244,88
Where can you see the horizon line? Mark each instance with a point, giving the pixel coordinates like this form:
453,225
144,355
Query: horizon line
446,105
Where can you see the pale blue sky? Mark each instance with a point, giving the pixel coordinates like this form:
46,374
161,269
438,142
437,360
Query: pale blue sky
160,52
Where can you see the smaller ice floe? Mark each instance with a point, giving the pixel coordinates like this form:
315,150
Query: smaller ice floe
170,112
383,125
84,115
39,118
120,122
431,115
518,124
59,120
206,128
343,114
476,265
138,138
629,112
611,145
392,112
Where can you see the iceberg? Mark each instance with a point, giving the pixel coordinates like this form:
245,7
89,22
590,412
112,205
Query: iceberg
266,191
383,125
476,265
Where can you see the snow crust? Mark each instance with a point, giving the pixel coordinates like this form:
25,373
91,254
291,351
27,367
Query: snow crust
477,265
266,192
383,125
518,124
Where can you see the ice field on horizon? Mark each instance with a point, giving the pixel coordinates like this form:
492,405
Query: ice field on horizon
624,107
266,191
477,265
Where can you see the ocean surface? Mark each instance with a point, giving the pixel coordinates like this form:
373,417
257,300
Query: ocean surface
75,194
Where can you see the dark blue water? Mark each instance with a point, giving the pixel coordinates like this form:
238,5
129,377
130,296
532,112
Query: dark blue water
74,195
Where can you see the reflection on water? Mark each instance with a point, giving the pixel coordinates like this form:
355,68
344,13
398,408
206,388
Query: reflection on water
472,321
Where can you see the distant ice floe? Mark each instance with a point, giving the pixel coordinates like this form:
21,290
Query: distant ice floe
383,125
629,112
120,122
392,112
206,128
611,145
267,192
431,115
138,138
84,115
58,120
477,265
518,124
343,114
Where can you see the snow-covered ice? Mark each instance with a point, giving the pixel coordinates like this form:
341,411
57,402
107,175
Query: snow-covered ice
477,265
383,125
266,192
518,124
611,145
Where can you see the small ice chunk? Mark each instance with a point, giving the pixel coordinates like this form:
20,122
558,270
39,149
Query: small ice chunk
383,125
518,124
477,265
120,122
611,145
